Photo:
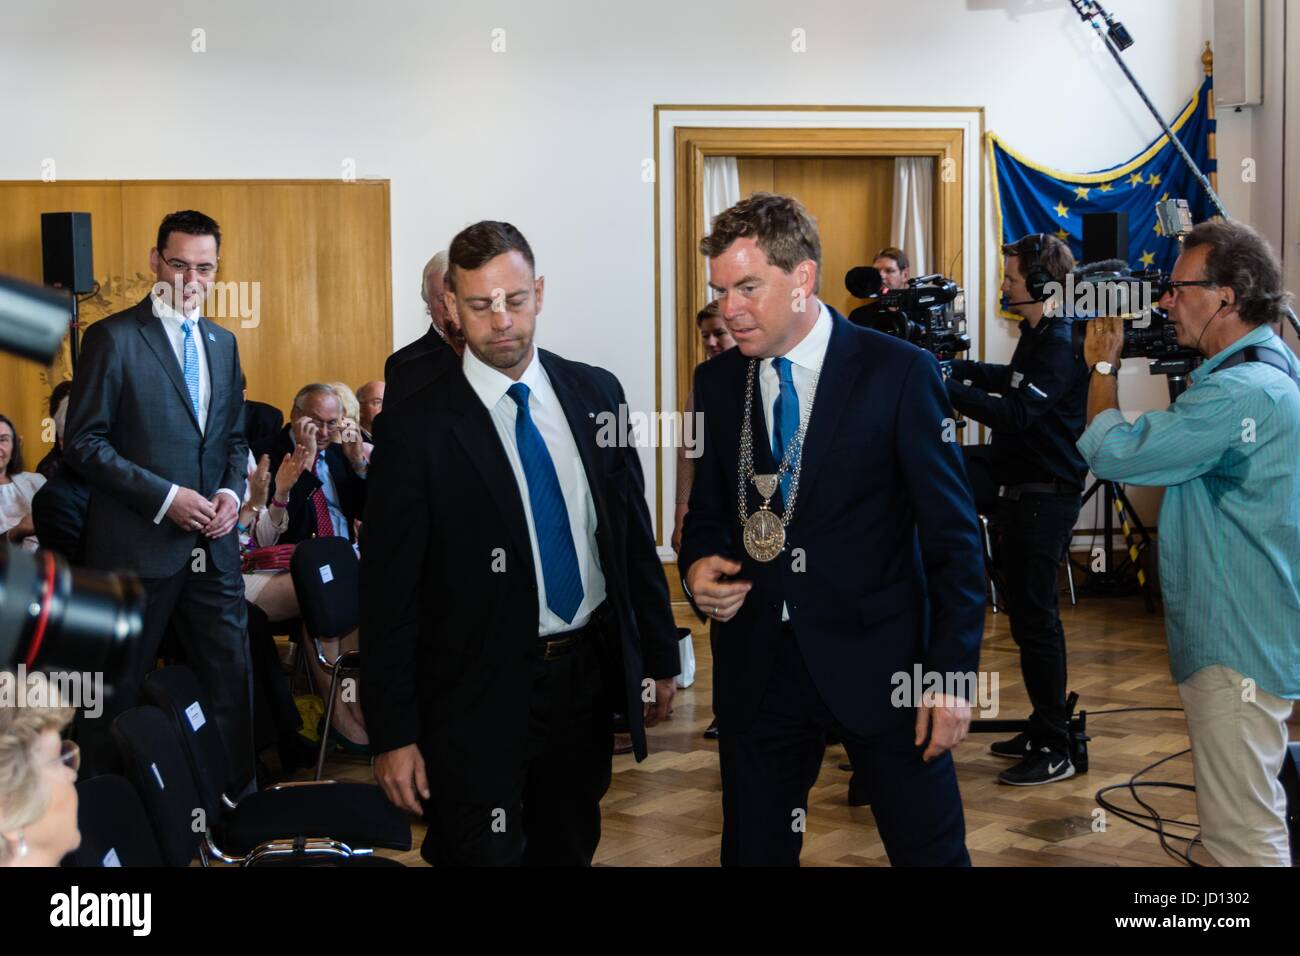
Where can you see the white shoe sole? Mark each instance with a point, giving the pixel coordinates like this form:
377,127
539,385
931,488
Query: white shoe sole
1063,775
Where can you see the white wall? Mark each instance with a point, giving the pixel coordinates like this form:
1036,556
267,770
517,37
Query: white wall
551,134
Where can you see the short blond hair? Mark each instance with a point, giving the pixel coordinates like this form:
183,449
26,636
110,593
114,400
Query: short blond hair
348,399
23,796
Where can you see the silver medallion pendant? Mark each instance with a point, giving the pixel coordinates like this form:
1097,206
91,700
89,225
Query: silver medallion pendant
764,535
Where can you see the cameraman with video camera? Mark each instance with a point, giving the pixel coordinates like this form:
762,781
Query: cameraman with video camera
1035,407
1228,453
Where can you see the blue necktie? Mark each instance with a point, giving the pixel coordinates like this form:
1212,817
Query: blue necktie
785,419
550,516
191,367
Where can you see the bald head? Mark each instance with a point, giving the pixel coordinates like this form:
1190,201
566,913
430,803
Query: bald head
371,397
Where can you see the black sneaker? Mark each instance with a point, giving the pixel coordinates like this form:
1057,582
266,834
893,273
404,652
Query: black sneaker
711,732
1042,766
1017,748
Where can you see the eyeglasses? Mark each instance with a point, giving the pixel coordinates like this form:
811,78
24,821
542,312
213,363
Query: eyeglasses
1173,285
69,755
204,269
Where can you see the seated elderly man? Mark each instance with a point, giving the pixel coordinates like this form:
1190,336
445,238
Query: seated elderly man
326,499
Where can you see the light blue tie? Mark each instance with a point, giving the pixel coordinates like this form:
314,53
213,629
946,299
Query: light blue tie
191,368
550,516
785,415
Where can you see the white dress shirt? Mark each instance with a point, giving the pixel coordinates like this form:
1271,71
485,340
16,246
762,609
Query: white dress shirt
544,406
805,364
171,323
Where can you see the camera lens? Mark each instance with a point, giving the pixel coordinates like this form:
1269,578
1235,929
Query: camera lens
52,614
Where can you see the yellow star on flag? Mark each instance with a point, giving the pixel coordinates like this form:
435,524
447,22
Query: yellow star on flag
1061,210
1159,229
1148,259
1135,179
1062,235
1153,180
1106,187
1164,197
1081,192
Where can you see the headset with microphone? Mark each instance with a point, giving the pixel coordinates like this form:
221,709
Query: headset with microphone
1036,278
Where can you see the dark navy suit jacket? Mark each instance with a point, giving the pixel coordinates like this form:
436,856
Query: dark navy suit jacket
883,566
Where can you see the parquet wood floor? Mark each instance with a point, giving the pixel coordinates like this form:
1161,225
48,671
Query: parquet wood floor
666,811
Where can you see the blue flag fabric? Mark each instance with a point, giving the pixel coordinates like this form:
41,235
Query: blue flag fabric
1031,198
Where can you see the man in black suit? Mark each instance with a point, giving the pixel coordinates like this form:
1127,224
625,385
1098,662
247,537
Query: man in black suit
853,556
156,430
330,494
262,424
415,365
512,598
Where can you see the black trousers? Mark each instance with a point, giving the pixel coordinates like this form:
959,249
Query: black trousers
550,815
769,767
1030,539
202,609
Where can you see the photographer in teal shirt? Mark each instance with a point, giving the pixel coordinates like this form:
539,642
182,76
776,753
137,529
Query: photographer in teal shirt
1228,453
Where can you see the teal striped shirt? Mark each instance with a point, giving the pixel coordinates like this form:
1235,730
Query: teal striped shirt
1228,453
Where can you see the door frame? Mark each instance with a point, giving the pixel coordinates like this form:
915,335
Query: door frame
684,135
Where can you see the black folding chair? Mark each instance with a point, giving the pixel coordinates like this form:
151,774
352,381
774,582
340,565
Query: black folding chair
156,766
346,820
327,580
115,831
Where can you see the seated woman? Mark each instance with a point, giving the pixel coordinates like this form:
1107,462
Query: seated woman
17,487
38,776
262,520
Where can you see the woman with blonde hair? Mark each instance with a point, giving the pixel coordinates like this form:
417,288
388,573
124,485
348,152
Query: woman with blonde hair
351,414
38,773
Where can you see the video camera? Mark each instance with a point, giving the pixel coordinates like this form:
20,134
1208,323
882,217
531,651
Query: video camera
1109,289
930,312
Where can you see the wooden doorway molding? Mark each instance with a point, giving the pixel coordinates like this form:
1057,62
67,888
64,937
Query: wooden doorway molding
685,135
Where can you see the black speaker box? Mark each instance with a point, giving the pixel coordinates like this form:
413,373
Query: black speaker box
66,251
1105,236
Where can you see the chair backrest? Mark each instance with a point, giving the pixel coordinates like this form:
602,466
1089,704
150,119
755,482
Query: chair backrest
114,828
326,578
158,769
176,691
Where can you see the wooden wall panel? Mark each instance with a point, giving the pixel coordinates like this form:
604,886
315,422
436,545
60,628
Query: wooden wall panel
25,385
319,254
318,250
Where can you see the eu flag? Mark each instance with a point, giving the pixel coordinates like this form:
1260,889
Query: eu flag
1030,198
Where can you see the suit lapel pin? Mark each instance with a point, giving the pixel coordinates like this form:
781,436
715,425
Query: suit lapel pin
211,337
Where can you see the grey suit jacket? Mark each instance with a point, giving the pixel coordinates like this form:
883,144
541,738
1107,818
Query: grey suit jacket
132,433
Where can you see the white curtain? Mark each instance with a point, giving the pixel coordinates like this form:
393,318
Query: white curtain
913,210
721,187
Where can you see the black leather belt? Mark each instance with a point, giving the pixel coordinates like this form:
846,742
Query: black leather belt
549,648
558,645
1016,492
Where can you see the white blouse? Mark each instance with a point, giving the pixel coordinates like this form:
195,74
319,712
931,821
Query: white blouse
16,502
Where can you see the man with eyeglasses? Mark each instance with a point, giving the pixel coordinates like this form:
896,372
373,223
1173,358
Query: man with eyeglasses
330,495
1227,452
156,429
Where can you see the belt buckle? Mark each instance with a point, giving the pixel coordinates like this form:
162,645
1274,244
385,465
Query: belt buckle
555,644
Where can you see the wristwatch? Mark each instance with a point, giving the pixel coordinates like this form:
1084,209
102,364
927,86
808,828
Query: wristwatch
1105,368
